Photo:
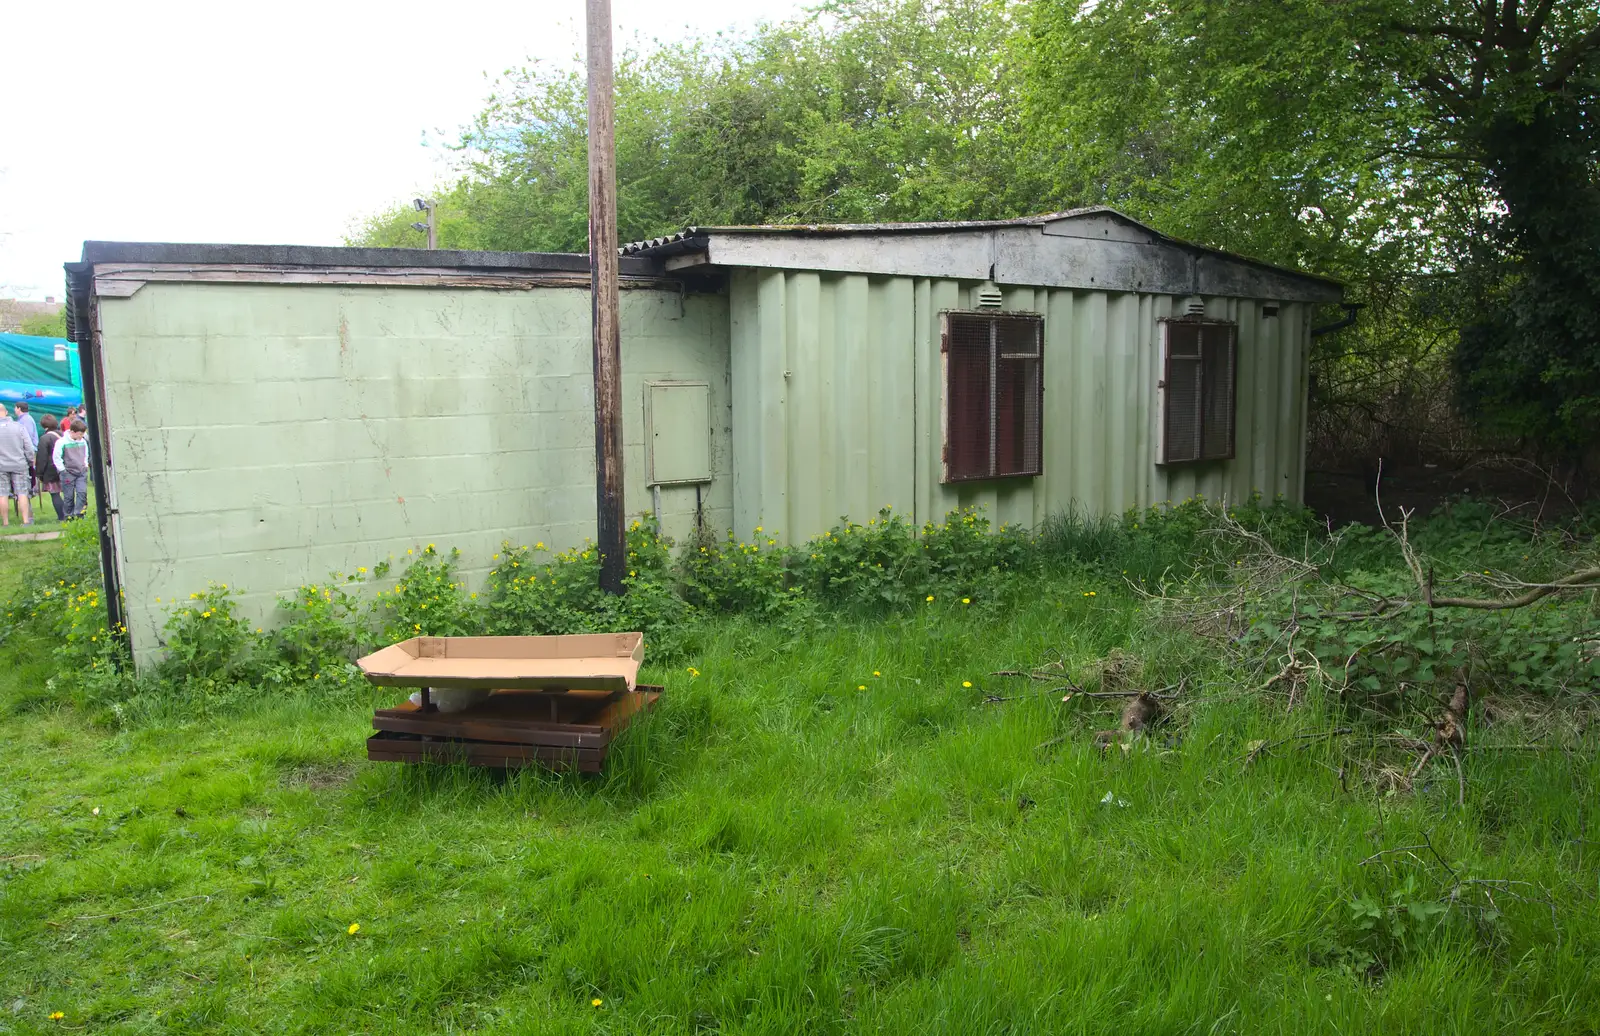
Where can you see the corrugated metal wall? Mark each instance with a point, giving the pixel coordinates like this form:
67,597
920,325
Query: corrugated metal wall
837,395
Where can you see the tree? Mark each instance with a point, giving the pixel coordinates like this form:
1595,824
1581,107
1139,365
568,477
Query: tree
46,325
863,110
1443,151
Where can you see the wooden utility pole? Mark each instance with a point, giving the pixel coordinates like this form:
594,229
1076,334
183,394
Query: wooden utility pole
603,288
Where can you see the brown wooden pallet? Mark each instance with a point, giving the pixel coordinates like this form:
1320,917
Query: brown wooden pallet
511,728
388,746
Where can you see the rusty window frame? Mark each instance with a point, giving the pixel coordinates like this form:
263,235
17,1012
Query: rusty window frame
1208,390
973,434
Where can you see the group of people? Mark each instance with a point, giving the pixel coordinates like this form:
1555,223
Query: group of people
49,456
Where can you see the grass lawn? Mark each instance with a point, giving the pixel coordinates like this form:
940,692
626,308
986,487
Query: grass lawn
832,833
44,515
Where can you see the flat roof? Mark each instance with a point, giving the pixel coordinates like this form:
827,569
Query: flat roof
323,255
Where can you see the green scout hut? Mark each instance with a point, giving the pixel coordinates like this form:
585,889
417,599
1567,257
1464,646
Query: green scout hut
267,414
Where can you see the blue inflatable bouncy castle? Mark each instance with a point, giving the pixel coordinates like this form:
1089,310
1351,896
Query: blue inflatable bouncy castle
42,372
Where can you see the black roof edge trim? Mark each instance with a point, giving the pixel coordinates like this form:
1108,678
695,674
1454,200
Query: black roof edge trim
321,255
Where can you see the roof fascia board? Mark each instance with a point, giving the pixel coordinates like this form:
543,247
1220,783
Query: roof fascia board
1027,256
95,252
123,280
967,255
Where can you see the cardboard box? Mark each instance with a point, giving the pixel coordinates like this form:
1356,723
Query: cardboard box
588,661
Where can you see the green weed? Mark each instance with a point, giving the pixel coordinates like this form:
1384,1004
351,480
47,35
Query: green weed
841,821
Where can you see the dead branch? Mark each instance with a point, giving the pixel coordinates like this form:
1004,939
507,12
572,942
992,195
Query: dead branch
1583,579
1075,692
1427,843
1452,729
1267,746
134,910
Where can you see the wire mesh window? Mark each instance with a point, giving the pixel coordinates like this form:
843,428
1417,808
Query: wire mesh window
1199,376
994,386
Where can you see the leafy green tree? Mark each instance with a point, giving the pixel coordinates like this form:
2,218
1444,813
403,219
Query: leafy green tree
1439,155
46,325
862,110
1440,151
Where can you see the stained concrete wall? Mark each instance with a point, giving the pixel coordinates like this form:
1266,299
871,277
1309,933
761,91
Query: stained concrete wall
837,395
264,435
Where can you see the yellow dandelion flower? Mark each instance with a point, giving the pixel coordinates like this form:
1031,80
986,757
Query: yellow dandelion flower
353,929
861,686
410,551
966,683
596,1002
966,600
56,1016
930,598
539,545
361,571
876,673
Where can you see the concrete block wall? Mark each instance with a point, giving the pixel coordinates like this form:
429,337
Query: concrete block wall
265,435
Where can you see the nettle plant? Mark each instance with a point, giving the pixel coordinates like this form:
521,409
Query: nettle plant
738,575
562,595
888,564
964,555
876,567
208,648
325,627
429,600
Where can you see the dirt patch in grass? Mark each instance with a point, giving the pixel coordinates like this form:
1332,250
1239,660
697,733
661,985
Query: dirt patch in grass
319,776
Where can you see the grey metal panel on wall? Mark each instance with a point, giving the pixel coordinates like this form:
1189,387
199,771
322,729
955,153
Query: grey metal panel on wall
1065,255
837,397
918,255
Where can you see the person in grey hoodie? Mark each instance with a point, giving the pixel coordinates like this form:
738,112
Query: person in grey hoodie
72,461
16,463
26,420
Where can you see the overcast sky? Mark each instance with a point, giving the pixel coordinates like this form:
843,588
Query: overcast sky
271,123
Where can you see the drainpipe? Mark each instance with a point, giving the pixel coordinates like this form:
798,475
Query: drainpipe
1350,311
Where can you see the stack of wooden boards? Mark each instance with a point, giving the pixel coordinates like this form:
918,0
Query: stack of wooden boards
556,702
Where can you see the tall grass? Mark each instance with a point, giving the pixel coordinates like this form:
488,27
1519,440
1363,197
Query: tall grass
822,829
